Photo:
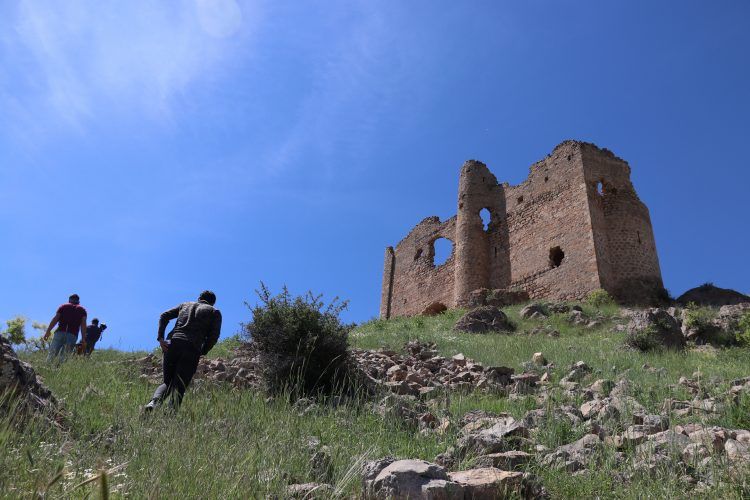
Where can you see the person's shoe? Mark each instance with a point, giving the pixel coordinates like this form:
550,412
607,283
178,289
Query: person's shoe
150,406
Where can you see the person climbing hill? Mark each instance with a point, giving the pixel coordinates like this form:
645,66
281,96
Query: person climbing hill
70,318
195,333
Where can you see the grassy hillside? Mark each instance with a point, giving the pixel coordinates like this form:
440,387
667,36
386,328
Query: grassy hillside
230,443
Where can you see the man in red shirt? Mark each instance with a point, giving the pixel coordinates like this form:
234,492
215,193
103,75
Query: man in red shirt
71,318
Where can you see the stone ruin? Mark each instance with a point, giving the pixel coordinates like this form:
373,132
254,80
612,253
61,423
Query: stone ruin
573,226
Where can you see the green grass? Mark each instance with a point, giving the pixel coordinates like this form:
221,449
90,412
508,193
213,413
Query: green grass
230,443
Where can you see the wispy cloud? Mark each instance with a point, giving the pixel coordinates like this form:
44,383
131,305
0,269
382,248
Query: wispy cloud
65,64
354,77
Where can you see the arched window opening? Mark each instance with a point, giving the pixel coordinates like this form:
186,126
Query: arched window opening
442,251
418,254
600,188
520,199
556,256
639,237
546,178
486,218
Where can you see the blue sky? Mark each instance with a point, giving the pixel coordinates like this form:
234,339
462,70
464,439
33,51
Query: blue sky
149,150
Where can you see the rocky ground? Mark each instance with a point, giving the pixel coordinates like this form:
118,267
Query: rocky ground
496,454
617,427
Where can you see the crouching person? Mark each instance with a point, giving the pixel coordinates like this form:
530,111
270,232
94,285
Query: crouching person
195,333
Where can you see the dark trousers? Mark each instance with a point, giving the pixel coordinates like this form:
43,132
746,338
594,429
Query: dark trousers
180,363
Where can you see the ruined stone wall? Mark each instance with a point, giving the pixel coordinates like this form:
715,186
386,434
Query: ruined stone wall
548,214
412,281
477,190
626,247
573,226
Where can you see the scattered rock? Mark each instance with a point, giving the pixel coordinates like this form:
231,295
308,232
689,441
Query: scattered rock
538,359
534,311
309,490
506,460
484,319
402,479
434,309
492,435
20,379
423,373
652,328
490,483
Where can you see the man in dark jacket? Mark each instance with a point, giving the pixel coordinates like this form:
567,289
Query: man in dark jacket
93,334
195,333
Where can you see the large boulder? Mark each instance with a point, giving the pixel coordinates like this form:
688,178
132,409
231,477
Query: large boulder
653,328
418,479
405,479
729,316
711,295
489,483
484,319
492,435
18,379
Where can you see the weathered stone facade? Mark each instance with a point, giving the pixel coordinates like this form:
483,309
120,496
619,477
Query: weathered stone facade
574,225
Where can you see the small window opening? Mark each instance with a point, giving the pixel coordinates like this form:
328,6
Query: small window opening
460,205
495,251
546,178
418,254
600,188
520,199
639,237
556,256
569,157
442,250
486,218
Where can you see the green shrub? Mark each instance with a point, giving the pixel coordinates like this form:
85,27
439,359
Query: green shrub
599,298
698,317
743,334
301,342
16,331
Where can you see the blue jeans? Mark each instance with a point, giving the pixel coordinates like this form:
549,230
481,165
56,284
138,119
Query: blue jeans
62,344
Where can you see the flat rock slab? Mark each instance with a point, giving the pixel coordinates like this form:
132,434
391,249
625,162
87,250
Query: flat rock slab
489,483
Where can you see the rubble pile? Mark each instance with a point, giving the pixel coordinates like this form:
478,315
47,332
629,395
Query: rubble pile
241,370
421,371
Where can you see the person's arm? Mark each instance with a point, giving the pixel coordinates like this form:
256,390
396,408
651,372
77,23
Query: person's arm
164,320
51,326
213,335
83,331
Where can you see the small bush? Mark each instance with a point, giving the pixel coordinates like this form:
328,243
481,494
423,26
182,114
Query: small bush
301,342
599,298
743,335
698,317
16,331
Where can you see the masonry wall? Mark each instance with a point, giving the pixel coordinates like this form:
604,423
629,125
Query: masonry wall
626,247
546,212
416,281
573,226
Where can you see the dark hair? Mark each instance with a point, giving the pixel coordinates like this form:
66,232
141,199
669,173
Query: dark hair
95,320
208,296
74,299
